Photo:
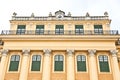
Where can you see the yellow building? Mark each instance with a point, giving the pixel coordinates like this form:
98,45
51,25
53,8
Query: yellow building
60,47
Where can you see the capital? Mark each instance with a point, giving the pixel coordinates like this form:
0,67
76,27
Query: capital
113,52
26,51
47,51
91,51
4,52
70,51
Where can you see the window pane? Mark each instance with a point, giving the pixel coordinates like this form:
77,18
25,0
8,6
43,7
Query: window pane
61,58
38,58
17,58
21,29
34,58
81,63
103,63
13,58
56,58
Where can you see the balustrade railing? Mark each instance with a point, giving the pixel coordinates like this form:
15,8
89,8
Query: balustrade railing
59,32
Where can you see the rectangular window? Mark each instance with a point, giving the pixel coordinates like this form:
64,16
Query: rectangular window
14,63
98,29
36,62
79,29
21,29
103,63
58,64
39,29
59,29
81,63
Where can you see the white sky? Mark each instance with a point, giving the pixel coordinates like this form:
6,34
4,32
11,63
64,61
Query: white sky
43,7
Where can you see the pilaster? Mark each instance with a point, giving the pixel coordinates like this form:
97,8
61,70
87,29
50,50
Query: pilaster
25,65
92,64
46,64
115,66
3,63
70,65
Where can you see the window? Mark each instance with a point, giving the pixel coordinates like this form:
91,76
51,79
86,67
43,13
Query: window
39,29
58,64
98,29
103,63
21,29
59,29
81,63
79,29
14,63
36,62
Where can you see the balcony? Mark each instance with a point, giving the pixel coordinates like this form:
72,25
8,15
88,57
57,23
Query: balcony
63,32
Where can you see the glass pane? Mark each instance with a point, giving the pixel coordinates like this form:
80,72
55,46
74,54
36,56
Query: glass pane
100,58
17,58
83,58
34,58
105,58
56,58
61,58
78,58
13,58
38,57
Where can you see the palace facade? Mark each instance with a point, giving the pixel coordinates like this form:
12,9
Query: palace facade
60,47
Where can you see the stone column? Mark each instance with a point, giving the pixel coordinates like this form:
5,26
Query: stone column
3,64
92,65
70,65
24,65
115,66
46,64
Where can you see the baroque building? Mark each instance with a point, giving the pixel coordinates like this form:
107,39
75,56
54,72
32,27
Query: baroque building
60,47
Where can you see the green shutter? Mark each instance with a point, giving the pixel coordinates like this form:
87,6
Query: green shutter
13,65
78,26
59,26
58,66
35,65
81,66
97,26
21,26
104,67
39,26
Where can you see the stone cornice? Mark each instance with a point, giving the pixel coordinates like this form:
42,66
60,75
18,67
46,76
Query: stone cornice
57,37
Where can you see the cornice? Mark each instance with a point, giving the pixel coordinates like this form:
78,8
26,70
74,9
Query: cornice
60,37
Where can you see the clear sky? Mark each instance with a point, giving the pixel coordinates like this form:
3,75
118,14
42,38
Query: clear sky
43,7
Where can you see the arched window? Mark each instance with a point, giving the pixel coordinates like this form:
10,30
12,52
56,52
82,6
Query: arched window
58,63
103,63
14,63
81,63
36,63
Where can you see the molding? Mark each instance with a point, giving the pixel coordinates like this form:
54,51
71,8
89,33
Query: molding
91,52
